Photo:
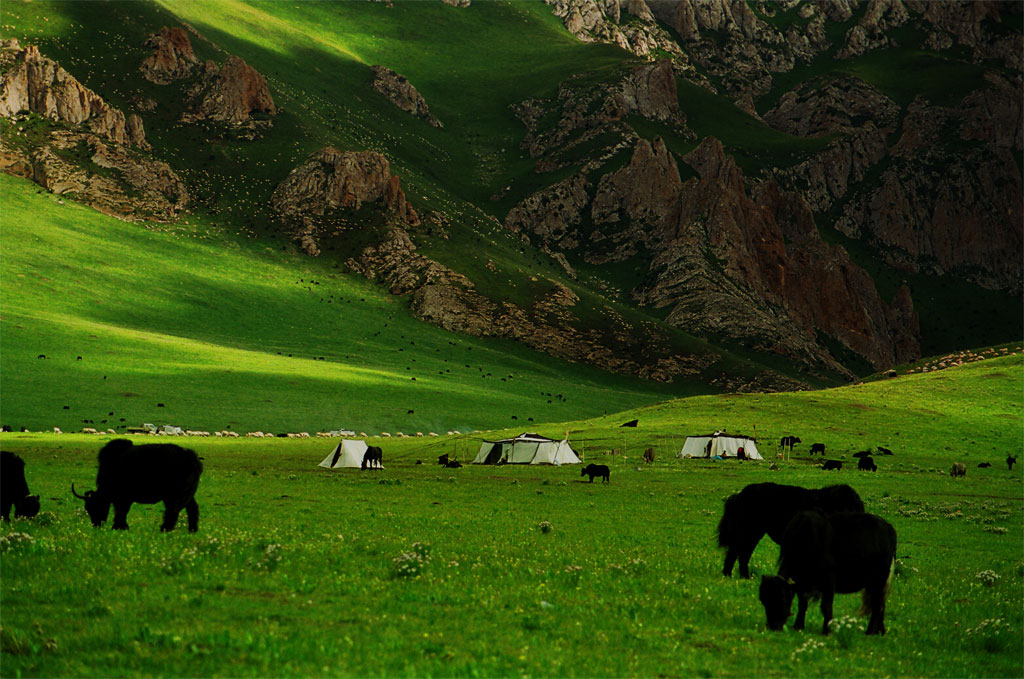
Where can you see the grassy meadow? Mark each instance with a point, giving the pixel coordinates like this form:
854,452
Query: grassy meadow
528,571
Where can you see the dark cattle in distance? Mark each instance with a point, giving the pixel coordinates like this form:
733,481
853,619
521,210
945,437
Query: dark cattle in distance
817,448
862,453
649,455
14,489
373,458
631,423
832,465
1010,459
822,555
867,464
984,465
766,509
453,464
789,442
958,469
599,470
147,474
884,451
442,459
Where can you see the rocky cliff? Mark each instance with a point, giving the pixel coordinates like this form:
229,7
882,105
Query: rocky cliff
332,180
400,92
172,58
233,94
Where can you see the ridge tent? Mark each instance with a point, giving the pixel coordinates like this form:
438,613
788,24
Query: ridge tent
348,453
526,449
725,445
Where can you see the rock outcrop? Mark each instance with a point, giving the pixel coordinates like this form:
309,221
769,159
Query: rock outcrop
841,105
400,92
234,94
599,21
332,180
172,58
32,82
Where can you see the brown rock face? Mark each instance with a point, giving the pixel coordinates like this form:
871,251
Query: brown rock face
230,94
402,94
37,84
841,105
172,58
331,180
651,92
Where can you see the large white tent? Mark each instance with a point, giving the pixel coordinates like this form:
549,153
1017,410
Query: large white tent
721,444
526,449
348,453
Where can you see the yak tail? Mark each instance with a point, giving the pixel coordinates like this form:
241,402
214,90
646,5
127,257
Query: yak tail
732,521
867,602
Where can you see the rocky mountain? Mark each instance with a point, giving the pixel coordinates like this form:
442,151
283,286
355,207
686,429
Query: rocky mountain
784,183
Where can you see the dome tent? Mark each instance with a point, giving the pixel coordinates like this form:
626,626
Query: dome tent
719,444
347,454
526,449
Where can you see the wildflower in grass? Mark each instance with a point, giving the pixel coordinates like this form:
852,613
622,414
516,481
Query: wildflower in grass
410,564
807,649
988,578
844,630
269,559
544,526
16,542
992,634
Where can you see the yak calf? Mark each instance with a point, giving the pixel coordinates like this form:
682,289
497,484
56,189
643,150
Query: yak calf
14,488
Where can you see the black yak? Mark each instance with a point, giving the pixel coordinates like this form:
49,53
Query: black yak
958,469
789,442
825,554
817,448
832,465
442,459
1010,459
147,474
373,458
593,470
767,508
867,464
14,488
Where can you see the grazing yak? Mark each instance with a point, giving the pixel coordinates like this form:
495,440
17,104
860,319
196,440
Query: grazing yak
373,458
1010,459
14,489
789,442
649,455
817,448
958,469
832,465
824,554
984,465
442,459
884,451
867,464
593,470
147,474
767,508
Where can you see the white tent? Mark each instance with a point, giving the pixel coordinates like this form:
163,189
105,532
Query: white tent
347,453
526,449
721,444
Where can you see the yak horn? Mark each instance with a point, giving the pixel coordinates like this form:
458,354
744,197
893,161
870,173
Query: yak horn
80,497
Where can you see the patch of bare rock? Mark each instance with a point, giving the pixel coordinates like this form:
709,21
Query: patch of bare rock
400,92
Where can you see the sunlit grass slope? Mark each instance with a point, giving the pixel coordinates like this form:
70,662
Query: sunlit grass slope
299,571
234,333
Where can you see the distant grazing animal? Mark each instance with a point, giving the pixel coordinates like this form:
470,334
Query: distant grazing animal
1010,459
822,555
867,464
984,465
649,455
884,451
453,464
147,474
958,469
631,423
442,459
832,465
373,458
789,442
593,470
14,489
862,453
766,508
817,448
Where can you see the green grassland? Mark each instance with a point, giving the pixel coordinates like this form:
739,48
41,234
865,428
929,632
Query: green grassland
297,571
